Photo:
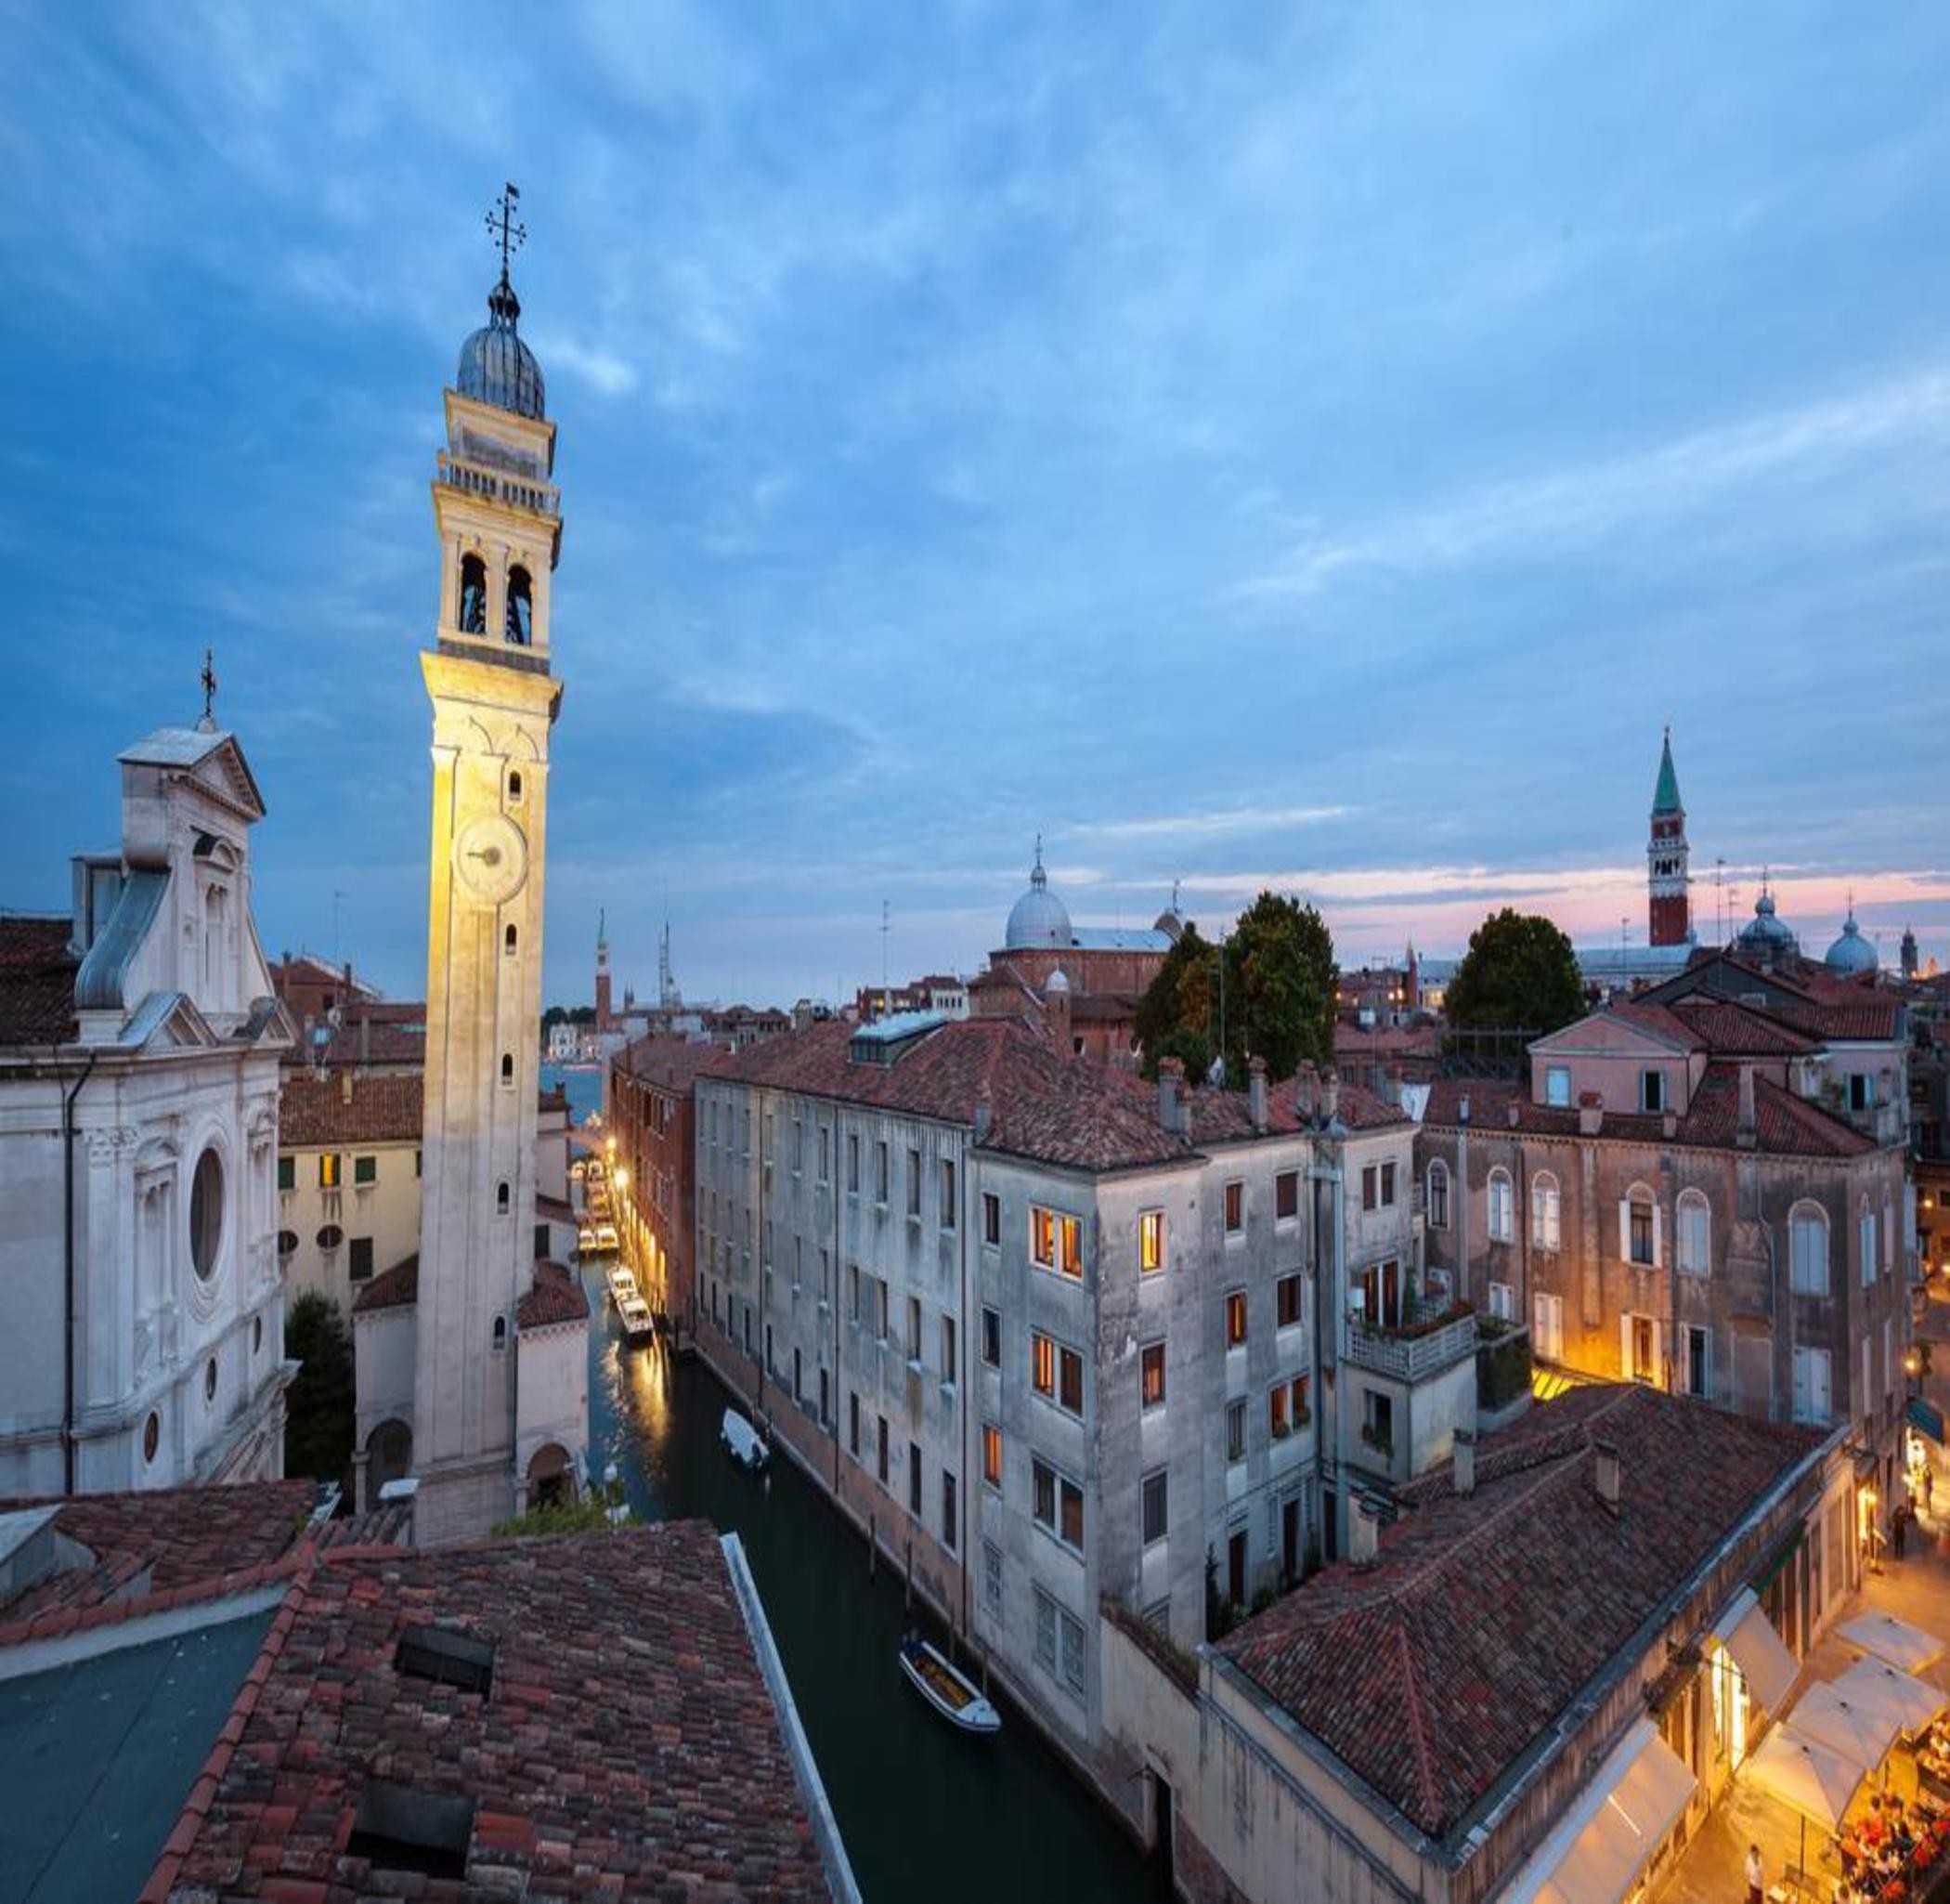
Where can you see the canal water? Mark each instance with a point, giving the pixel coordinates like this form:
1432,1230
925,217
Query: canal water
927,1813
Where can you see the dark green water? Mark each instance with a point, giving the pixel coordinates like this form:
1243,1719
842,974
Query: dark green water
926,1812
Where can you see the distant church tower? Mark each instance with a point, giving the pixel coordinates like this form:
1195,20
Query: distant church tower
495,701
1670,901
602,972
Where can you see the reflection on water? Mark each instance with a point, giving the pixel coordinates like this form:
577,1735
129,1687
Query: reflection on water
926,1812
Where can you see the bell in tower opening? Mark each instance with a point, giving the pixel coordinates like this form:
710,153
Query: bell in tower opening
519,630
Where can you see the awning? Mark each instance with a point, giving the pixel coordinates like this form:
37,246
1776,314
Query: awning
1814,1780
1926,1417
1895,1640
1596,1852
1913,1701
1862,1728
1748,1634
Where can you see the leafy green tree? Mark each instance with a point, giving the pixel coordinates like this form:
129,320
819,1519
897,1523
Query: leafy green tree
1177,1017
1282,987
1519,974
319,1406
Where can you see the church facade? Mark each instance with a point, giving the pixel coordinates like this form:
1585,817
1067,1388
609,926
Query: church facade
493,1416
139,1049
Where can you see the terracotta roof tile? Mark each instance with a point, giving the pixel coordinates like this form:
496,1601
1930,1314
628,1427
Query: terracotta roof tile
553,1297
36,980
1429,1673
397,1288
670,1062
347,1107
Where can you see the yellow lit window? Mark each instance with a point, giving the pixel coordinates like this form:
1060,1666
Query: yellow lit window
1235,1318
329,1170
992,1455
1069,1233
1043,1350
1150,1241
1041,1236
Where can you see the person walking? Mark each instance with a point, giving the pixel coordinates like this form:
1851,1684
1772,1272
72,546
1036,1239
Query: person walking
1898,1523
1756,1877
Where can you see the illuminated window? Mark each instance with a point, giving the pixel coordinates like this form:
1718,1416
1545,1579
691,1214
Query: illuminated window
1557,1085
1641,1224
991,1454
1041,1236
1043,1364
329,1170
1545,1211
1070,1247
1150,1377
1150,1241
1235,1318
1235,1209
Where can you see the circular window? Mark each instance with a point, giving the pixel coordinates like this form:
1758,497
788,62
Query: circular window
330,1236
206,1213
209,1379
151,1435
286,1241
256,1334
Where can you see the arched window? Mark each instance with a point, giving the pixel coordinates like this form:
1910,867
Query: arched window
509,941
520,628
1865,1225
1639,1228
507,1067
1808,1249
472,614
1502,1207
1546,1211
1439,1196
501,1200
500,1332
1696,1233
513,787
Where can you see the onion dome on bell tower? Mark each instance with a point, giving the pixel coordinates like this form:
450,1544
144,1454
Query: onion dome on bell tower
495,366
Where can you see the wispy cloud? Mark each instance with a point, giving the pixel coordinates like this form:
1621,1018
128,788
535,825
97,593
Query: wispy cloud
1228,824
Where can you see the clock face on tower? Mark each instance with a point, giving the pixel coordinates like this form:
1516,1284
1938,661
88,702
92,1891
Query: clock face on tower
491,859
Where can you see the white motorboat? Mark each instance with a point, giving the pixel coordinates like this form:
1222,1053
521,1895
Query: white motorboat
949,1692
622,1283
639,1325
747,1445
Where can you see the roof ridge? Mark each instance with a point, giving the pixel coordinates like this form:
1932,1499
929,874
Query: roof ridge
1418,1728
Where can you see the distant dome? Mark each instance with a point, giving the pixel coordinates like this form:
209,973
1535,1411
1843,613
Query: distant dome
1764,931
1852,952
495,366
1056,985
1039,919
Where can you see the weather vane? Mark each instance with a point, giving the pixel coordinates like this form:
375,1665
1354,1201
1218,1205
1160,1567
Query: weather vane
208,678
502,227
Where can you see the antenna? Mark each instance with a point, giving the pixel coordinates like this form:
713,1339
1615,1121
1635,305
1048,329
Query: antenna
337,899
886,926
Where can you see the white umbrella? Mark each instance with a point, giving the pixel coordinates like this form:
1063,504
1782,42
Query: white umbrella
1864,1728
1893,1640
1816,1780
1913,1701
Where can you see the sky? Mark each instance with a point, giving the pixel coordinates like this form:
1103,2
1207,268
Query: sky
1313,447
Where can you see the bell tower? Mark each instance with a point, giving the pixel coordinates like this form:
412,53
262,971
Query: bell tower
1670,900
498,517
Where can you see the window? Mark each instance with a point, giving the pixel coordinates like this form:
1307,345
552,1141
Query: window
286,1241
1502,1302
472,615
1502,1207
1056,1502
1071,1633
991,1220
1286,1299
992,1336
880,1171
914,1184
1286,1196
879,1309
825,1147
949,1201
1557,1085
1041,1236
1235,1431
1547,1328
852,1425
1150,1241
1696,1360
1439,1196
507,1072
1069,1504
1235,1318
992,1455
852,1291
500,1333
949,1515
1862,1091
1045,1633
359,1260
1865,1225
1070,1380
914,1329
365,1169
1378,1422
853,1162
1652,1090
510,939
1695,1237
520,630
951,1365
1041,1372
1641,1228
992,1575
329,1170
1041,1494
1235,1209
1639,1348
1545,1211
1387,1186
286,1173
328,1237
1151,1375
1371,1187
1812,1403
1808,1250
913,1479
500,1199
1154,1505
880,1451
1279,1424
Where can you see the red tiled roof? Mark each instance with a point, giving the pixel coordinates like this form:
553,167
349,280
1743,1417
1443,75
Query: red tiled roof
347,1107
164,1542
1429,1673
626,1747
1872,1019
395,1288
553,1297
36,980
1735,1031
672,1064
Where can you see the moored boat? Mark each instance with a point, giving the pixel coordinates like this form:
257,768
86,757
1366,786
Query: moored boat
747,1445
639,1325
949,1692
622,1283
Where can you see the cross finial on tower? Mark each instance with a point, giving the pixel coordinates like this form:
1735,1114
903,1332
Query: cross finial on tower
503,228
208,677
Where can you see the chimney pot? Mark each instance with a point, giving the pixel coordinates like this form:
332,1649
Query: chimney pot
1331,1097
345,1086
1465,1462
1363,1535
1306,1080
1606,1477
1591,1112
1256,1092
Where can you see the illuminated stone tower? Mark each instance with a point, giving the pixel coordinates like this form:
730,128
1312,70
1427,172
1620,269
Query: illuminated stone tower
1670,921
495,701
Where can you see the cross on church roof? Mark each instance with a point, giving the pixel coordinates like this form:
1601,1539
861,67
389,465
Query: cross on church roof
208,677
503,229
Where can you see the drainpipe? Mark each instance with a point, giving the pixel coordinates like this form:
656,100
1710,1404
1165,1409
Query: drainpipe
68,1100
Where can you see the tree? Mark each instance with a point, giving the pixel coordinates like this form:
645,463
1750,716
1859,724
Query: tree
1276,1001
318,1404
1519,974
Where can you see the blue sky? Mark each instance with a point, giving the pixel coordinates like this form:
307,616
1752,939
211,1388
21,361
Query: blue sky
1311,445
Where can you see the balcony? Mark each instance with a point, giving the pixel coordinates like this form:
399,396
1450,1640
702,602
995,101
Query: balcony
499,486
1435,1340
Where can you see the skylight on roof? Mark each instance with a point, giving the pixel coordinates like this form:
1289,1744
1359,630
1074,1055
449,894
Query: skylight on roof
446,1657
403,1828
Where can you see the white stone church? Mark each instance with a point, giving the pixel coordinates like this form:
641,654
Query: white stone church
139,1046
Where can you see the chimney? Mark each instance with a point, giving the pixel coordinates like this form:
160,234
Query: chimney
1462,1108
1305,1080
1669,1123
1747,1133
1465,1462
1364,1534
1256,1093
1514,1113
1607,1476
1330,1096
1394,1089
1591,1112
345,1086
984,1115
1171,1093
365,1039
1056,1012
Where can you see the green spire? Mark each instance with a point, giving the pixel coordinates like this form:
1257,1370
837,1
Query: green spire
1665,796
603,912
